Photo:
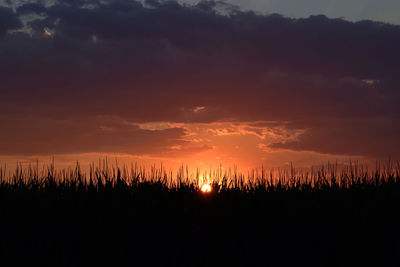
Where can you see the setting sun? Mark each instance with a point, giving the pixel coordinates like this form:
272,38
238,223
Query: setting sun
206,188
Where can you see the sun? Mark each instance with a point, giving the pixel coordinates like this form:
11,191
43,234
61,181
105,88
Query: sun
206,188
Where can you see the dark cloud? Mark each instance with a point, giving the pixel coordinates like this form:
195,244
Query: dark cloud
31,8
159,60
8,21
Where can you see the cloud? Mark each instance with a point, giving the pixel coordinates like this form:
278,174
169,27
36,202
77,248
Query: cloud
161,61
37,136
31,8
372,137
8,21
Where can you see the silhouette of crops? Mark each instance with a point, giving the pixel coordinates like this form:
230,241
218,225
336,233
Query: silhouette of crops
110,216
133,178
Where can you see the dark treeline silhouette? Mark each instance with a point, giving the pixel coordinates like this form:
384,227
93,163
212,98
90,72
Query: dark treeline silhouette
114,216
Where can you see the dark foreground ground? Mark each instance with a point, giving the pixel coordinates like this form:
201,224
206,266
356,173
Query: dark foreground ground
149,225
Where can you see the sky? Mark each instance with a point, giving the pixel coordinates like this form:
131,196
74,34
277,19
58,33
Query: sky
202,84
354,10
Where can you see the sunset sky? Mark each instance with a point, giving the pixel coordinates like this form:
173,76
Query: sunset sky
200,83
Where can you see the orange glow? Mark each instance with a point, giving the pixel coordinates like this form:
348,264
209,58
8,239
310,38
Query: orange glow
46,32
206,188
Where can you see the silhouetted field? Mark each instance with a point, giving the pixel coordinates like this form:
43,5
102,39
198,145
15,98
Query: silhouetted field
133,217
